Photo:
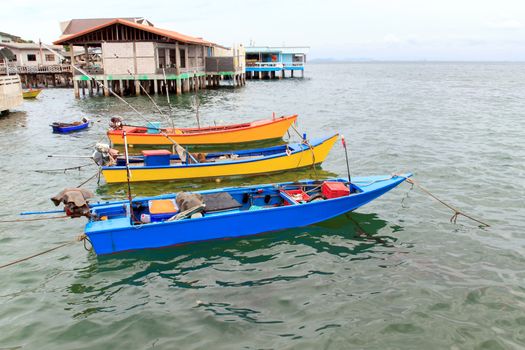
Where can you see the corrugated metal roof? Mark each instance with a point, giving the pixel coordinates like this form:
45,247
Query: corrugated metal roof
78,25
278,49
162,32
28,46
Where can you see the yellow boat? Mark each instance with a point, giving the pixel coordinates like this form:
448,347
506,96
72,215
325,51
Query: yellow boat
158,165
214,135
31,93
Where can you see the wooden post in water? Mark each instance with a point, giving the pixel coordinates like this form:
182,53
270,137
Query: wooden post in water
137,87
76,88
178,83
106,87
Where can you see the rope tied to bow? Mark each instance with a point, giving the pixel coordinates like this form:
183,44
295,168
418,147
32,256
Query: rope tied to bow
457,212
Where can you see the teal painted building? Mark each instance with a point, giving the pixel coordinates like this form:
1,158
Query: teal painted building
274,62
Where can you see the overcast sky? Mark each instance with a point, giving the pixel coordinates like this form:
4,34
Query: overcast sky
351,29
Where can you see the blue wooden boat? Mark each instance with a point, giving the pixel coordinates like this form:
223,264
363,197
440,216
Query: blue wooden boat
64,128
227,213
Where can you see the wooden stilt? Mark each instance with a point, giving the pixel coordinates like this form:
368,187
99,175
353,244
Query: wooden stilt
137,88
178,84
75,87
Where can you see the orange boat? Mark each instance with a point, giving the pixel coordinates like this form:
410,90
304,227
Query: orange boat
259,130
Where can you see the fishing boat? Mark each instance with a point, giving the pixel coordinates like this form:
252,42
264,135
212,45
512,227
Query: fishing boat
259,130
63,128
173,219
31,93
158,165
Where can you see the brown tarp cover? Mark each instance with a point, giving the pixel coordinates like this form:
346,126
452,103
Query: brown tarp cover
77,196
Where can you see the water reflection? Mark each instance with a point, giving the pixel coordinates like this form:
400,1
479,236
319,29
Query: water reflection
348,235
13,120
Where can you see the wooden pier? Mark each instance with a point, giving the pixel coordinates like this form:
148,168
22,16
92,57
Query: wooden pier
131,57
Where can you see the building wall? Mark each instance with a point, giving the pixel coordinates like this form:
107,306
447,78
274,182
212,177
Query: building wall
10,92
22,58
119,58
287,57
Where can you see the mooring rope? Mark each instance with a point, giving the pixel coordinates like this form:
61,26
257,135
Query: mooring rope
63,169
307,143
34,219
91,178
456,211
82,237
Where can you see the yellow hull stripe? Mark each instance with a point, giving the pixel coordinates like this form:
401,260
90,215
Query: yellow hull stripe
216,170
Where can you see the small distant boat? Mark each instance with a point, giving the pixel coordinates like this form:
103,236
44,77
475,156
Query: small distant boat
31,93
259,130
159,165
63,128
174,219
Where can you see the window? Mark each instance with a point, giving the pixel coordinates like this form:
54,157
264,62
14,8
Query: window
173,60
182,58
162,58
50,58
31,58
14,58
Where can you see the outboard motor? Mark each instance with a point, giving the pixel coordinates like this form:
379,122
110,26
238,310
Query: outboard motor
75,201
116,123
104,155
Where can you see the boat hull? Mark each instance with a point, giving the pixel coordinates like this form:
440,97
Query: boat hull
31,93
240,133
68,129
296,160
119,235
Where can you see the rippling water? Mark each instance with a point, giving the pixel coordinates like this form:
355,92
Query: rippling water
394,274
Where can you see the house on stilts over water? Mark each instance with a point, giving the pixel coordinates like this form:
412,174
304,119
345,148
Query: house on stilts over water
131,54
271,62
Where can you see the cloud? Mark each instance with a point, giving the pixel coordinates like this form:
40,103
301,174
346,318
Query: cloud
506,24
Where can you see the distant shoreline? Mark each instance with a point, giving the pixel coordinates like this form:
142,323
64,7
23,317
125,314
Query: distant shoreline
337,61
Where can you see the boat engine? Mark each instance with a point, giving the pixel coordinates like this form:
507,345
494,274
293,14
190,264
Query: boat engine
104,155
116,123
75,201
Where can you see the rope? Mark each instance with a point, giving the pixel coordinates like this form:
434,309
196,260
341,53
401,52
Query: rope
456,211
82,237
91,178
34,219
63,169
307,143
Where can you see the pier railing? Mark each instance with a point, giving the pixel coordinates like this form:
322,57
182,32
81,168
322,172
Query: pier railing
91,70
177,71
217,64
37,69
293,64
274,64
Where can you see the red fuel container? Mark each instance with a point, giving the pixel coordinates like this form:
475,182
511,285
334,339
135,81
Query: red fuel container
333,189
